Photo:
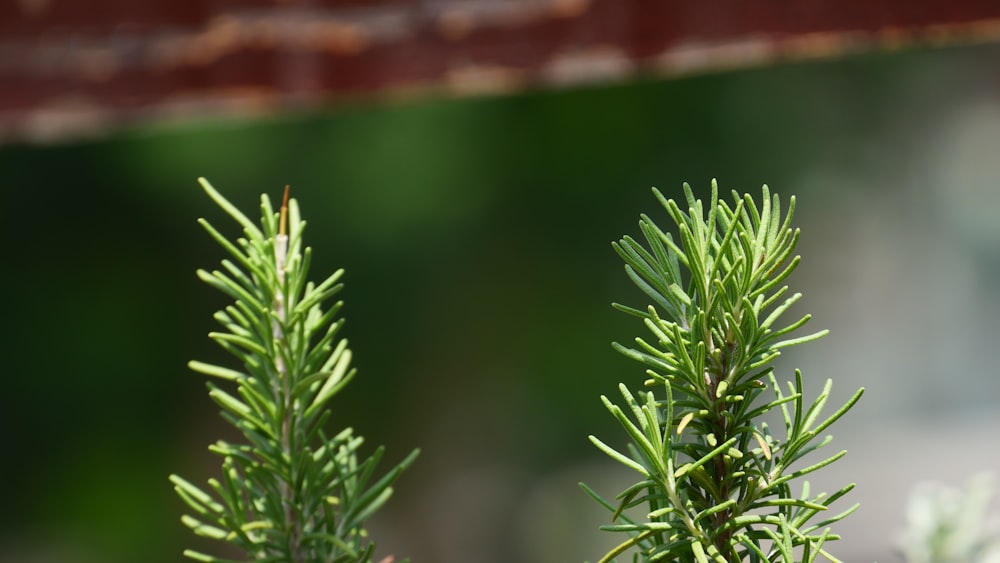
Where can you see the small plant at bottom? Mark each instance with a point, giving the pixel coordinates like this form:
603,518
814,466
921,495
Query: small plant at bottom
951,525
715,480
290,493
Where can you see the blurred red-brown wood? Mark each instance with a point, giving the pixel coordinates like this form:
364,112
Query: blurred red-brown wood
69,67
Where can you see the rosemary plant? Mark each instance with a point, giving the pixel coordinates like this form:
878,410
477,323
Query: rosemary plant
291,492
716,481
952,524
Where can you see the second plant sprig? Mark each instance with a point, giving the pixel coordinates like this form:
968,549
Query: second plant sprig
290,493
715,481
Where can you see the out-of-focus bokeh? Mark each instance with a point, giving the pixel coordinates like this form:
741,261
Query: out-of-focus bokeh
475,232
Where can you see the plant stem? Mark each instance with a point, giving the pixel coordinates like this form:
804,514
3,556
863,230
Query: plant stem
722,540
287,445
718,373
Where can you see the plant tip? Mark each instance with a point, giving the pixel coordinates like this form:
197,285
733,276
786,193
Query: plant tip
283,225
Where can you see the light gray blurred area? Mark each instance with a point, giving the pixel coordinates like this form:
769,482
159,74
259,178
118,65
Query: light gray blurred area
903,265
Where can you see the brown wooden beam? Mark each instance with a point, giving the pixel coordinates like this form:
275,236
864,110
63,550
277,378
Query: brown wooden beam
70,67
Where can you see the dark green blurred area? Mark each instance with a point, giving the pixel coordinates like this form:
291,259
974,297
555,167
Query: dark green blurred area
475,234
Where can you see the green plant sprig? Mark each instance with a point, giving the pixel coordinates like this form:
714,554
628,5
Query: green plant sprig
714,478
291,493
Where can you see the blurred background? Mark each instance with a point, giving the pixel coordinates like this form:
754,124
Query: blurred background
469,163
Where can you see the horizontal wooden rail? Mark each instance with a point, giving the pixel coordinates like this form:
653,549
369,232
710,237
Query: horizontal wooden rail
69,67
